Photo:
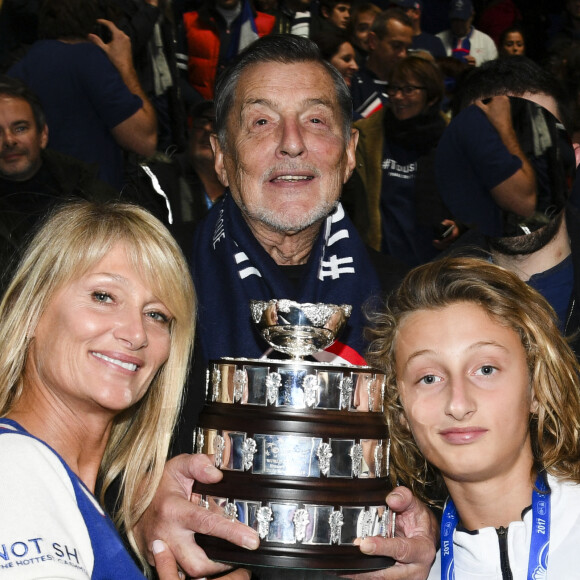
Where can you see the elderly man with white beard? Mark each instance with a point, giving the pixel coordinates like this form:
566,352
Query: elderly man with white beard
284,147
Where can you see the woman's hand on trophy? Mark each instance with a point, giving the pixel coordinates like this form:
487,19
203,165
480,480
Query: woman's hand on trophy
167,569
173,517
414,544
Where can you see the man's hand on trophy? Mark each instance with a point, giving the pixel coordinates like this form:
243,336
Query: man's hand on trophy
174,518
413,546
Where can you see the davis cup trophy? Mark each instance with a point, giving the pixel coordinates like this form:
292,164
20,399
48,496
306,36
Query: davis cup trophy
303,447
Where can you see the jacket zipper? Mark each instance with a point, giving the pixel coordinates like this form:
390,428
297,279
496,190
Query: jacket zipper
506,572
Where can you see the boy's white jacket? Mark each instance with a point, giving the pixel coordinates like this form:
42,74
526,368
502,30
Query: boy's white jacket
477,553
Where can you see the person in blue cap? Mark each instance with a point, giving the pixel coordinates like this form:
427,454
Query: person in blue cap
462,40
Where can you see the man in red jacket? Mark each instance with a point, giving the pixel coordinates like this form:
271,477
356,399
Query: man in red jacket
215,34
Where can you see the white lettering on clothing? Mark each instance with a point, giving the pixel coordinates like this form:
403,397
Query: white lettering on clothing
334,267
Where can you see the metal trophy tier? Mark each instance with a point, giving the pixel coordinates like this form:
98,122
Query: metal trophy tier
303,446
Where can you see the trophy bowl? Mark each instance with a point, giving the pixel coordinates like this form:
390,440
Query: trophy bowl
299,329
303,447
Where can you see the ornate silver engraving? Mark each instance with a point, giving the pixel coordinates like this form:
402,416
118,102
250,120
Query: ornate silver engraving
287,395
282,324
336,521
261,383
300,520
248,451
367,518
292,454
200,440
388,456
273,384
346,386
318,314
378,458
216,377
295,523
206,382
264,518
384,525
356,454
383,387
240,384
311,387
371,391
324,455
231,511
219,446
257,308
388,522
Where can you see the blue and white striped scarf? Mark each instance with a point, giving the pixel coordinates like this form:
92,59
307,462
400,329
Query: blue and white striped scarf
230,268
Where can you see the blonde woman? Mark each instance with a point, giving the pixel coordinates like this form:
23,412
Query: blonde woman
96,330
483,403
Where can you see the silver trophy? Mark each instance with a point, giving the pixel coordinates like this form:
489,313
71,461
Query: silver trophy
297,329
303,446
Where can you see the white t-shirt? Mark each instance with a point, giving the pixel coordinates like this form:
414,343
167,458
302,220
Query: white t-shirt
51,526
482,46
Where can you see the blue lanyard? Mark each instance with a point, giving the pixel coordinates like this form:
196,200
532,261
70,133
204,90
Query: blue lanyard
539,545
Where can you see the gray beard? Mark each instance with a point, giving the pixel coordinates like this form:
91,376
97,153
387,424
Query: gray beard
530,243
278,223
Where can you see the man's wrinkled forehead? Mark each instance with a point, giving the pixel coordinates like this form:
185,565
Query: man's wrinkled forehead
265,85
251,102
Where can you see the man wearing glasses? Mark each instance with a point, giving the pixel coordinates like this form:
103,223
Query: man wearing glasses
389,39
395,167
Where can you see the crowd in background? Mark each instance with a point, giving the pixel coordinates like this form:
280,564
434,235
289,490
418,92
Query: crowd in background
132,94
464,111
